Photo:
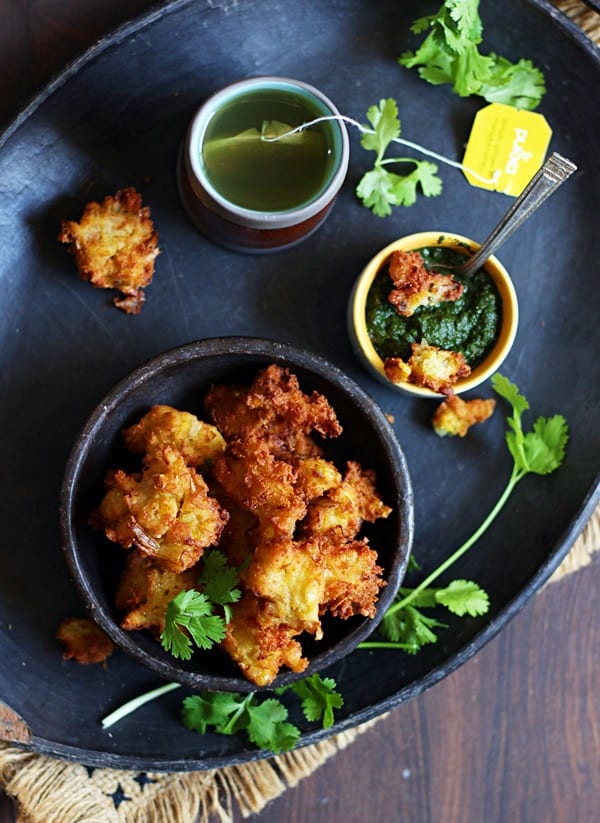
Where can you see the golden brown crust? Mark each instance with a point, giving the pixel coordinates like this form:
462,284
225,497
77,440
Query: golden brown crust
163,426
83,640
115,246
428,366
145,590
415,286
165,512
259,644
455,416
269,500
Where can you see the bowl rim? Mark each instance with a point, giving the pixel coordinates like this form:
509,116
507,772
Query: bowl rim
253,348
357,328
255,218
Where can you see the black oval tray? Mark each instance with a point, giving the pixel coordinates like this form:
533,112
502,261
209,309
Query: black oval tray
115,118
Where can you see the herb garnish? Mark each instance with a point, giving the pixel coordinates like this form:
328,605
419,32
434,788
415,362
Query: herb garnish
539,451
404,626
265,721
380,189
190,617
450,54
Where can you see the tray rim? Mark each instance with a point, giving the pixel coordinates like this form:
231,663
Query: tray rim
103,759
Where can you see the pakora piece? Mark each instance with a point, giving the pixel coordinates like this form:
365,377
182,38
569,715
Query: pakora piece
288,574
197,442
345,506
259,643
83,640
415,286
274,409
428,366
165,512
145,590
115,246
352,578
455,416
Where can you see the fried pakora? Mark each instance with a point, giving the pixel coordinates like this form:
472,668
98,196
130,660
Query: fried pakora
455,416
428,366
196,441
83,640
115,246
165,511
415,286
259,643
145,590
275,410
255,484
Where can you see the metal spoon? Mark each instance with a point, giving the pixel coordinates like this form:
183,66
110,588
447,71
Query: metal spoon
555,171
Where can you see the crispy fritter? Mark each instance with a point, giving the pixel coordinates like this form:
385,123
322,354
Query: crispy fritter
352,579
279,511
145,591
238,538
414,286
346,506
260,644
263,485
315,476
197,442
428,366
273,409
397,370
84,640
455,416
289,575
165,512
115,246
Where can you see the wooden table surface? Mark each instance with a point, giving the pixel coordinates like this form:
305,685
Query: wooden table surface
514,734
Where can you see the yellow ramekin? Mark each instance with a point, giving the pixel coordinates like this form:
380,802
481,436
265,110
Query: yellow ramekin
357,325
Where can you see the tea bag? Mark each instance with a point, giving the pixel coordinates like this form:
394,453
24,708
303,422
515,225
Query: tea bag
272,167
272,132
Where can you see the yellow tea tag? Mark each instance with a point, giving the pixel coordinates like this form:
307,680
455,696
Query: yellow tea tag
506,148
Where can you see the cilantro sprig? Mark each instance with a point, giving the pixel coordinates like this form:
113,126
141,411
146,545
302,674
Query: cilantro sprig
263,720
319,698
380,189
219,581
191,619
539,451
449,53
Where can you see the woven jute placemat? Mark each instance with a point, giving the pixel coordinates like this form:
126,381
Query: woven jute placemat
54,791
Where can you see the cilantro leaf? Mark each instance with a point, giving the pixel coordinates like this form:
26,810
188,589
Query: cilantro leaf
376,190
212,709
544,447
449,54
267,727
319,697
228,713
520,85
540,451
384,119
380,189
219,580
189,617
464,597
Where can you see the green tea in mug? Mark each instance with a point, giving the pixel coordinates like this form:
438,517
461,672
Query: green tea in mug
252,160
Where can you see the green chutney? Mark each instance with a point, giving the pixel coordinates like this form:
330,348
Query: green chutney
470,325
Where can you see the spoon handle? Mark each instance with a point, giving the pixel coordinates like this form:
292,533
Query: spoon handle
555,171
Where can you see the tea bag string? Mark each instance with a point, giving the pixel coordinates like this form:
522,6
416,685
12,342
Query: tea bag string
415,146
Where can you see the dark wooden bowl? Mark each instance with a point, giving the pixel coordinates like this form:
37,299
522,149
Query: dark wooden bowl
180,378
